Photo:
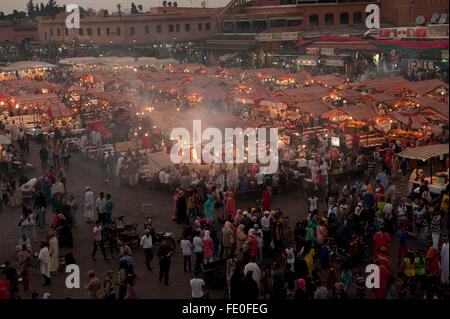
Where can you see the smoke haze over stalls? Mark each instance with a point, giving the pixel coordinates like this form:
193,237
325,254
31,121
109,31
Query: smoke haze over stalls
7,6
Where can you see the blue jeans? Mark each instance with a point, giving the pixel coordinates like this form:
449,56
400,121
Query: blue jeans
260,255
24,229
108,219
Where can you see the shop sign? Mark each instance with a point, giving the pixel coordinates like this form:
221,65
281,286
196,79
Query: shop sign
326,51
264,37
289,36
430,32
334,62
444,54
315,51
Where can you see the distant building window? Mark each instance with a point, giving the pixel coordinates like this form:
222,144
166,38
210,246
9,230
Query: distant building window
357,17
170,28
158,29
187,27
89,31
199,27
329,19
107,31
208,26
147,29
99,31
66,32
58,32
132,30
344,18
117,31
80,31
294,23
45,35
177,28
314,20
51,32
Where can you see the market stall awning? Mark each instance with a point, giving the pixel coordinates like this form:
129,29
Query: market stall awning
332,80
57,110
425,152
307,59
385,98
4,140
386,84
412,45
316,108
426,101
100,127
423,87
361,112
415,120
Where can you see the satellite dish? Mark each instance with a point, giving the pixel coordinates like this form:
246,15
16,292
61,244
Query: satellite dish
443,18
203,4
420,20
435,18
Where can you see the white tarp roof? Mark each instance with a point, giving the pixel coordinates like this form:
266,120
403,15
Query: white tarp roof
118,61
25,65
425,152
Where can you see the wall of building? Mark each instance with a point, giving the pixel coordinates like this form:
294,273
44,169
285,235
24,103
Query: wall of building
405,12
18,33
178,24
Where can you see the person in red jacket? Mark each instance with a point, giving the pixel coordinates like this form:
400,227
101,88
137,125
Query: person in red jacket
5,287
265,199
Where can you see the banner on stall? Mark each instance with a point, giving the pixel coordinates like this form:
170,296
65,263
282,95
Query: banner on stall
125,146
336,62
430,32
327,51
314,51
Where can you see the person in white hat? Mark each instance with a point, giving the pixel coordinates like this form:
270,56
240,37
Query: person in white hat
89,205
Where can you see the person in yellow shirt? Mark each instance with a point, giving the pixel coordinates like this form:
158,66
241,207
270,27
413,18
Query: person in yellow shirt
410,271
308,255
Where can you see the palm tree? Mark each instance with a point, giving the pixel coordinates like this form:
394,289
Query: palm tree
140,7
169,4
119,7
175,4
164,3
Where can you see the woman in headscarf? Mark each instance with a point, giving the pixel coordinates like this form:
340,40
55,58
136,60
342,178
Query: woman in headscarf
300,293
175,198
181,208
432,269
252,243
209,207
230,206
241,237
208,248
265,199
251,287
227,239
239,216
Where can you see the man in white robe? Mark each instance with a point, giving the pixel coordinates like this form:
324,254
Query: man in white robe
54,252
44,260
89,205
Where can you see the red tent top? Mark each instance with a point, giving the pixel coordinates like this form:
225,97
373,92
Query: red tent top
414,44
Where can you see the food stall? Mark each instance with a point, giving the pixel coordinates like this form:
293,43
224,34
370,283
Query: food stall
436,182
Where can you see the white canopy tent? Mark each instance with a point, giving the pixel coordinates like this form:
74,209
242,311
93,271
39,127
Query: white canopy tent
425,152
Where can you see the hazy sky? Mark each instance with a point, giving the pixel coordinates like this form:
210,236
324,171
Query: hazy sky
7,6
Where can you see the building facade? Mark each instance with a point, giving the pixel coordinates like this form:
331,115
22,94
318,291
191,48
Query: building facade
18,33
405,12
160,24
